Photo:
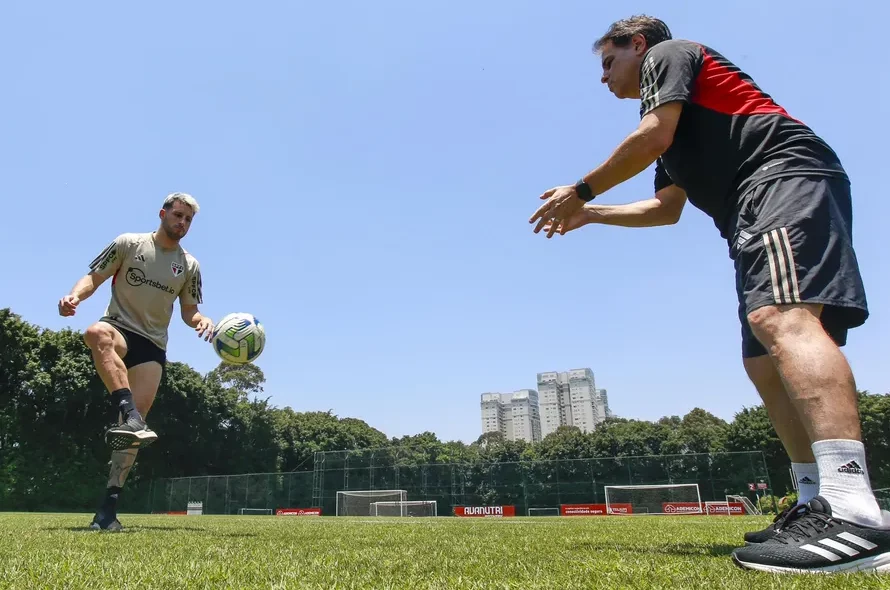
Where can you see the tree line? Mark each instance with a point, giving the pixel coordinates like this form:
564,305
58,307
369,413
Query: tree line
54,411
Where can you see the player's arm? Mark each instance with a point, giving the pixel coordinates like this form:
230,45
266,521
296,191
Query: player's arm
639,150
193,318
192,295
87,285
667,80
106,264
664,208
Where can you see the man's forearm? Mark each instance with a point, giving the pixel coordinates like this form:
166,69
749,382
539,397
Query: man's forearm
192,319
83,288
647,213
636,153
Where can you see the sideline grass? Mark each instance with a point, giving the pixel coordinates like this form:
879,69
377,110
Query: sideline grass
57,551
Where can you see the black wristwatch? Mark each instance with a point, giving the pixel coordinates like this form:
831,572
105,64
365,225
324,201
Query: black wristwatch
582,189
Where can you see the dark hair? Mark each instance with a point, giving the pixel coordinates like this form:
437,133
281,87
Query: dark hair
620,32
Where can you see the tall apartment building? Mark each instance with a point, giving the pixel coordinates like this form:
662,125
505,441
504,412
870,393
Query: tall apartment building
571,399
515,415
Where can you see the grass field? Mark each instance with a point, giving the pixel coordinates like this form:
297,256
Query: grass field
58,551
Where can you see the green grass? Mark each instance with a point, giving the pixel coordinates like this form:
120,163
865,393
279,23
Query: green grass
57,551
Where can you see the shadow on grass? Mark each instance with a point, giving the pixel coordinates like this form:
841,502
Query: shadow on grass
693,549
149,528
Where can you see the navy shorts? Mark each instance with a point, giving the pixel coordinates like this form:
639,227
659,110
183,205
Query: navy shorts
793,243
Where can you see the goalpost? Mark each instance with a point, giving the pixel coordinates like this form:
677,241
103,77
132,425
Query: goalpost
553,511
246,511
407,508
750,508
358,502
675,498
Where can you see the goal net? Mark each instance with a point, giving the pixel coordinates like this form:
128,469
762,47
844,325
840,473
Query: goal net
678,498
554,511
247,511
358,502
407,508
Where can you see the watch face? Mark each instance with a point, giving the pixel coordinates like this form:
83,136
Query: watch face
582,189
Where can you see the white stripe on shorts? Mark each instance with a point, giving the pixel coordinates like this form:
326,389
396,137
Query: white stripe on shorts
782,272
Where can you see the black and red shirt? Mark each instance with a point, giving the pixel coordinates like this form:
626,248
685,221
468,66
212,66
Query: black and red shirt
731,135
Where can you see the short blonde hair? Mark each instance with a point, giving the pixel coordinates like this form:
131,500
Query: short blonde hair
184,198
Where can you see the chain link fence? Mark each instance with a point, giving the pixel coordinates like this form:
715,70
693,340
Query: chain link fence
524,484
226,494
531,484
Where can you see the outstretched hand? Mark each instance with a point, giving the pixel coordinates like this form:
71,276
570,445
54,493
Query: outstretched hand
562,205
579,219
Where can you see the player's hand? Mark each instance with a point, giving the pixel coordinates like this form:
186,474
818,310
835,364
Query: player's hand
579,219
68,305
204,328
561,204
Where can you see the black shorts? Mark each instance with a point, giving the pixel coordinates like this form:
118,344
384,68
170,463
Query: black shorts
140,349
794,244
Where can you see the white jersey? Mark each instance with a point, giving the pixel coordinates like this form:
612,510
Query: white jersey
147,281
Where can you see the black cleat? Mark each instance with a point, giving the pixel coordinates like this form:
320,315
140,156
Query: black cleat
132,434
106,522
812,541
770,531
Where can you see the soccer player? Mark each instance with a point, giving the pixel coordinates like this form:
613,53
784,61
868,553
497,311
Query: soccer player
780,197
150,271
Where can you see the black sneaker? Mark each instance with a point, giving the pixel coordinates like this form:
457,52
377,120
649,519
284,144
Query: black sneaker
132,434
812,541
770,531
106,522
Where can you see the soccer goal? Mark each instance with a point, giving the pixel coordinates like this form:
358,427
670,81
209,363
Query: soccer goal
254,511
750,508
358,502
551,511
676,498
407,508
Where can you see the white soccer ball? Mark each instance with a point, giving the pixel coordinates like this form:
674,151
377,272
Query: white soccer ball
239,338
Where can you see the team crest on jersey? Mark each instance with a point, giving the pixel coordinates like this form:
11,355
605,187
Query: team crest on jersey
177,268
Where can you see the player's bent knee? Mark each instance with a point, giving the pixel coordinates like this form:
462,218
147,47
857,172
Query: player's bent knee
99,335
771,323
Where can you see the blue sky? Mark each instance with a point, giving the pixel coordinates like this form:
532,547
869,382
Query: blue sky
366,172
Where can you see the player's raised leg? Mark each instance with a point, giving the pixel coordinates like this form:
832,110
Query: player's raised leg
109,348
146,378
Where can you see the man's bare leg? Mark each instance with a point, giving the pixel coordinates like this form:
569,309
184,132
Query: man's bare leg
145,378
786,421
820,384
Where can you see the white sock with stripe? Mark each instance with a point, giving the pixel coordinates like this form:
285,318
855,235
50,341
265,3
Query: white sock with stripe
807,477
844,483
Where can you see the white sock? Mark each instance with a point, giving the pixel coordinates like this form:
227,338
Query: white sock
807,477
843,481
